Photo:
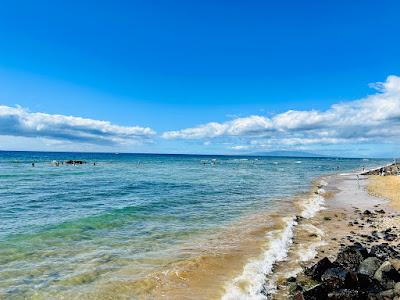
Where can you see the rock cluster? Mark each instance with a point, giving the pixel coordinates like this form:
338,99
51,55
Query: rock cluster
75,162
392,169
355,274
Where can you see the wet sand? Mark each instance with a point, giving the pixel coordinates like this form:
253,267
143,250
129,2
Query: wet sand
342,222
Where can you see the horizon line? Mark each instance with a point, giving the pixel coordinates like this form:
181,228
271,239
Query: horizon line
199,154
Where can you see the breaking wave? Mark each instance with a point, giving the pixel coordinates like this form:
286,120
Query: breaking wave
252,284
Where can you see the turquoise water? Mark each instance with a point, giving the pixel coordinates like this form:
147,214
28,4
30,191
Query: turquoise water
66,226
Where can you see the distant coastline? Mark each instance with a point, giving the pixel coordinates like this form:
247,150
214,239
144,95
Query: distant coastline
288,154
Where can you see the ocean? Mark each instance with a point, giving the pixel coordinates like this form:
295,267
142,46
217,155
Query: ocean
144,226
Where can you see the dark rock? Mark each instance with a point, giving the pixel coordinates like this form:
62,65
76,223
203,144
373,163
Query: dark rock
369,266
383,251
359,247
291,279
346,294
390,237
387,275
337,278
367,212
318,292
381,211
298,296
368,283
351,256
75,162
376,234
319,268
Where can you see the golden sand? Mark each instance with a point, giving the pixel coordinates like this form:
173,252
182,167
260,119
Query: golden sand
386,187
202,273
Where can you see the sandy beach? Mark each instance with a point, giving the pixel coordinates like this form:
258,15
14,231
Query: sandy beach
358,209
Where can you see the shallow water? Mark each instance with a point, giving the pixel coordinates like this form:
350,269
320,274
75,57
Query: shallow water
141,226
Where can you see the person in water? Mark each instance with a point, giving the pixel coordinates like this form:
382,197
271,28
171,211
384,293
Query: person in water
33,164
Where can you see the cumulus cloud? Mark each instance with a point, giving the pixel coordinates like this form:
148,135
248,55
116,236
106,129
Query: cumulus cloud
373,118
16,121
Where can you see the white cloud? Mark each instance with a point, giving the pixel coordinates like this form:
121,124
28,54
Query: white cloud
373,118
16,121
241,147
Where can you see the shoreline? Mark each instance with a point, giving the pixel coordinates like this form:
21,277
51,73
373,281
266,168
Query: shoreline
298,241
344,223
253,255
235,262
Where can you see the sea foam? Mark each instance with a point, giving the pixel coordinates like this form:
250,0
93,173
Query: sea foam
252,284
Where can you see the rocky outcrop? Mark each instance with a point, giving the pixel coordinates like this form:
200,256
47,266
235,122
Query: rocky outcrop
356,274
75,162
369,266
316,271
351,257
392,169
383,251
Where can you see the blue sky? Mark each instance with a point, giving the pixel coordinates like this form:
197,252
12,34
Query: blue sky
174,65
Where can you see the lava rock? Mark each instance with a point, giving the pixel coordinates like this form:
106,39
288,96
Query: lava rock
337,278
361,249
390,237
318,292
351,256
383,251
369,266
75,162
346,294
387,275
369,284
319,268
